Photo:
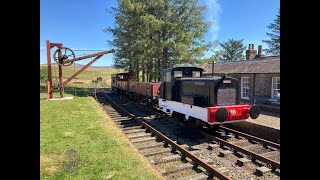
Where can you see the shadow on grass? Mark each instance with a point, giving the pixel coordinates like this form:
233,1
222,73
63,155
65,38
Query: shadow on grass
74,91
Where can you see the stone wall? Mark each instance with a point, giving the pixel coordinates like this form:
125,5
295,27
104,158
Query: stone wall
262,85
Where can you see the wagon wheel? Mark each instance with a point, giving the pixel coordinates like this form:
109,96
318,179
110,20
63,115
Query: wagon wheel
64,56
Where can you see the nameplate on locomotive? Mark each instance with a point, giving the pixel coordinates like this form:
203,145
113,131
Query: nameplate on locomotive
199,83
227,81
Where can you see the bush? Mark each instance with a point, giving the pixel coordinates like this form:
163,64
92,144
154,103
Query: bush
99,79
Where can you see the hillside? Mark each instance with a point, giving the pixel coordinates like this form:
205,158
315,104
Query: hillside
91,73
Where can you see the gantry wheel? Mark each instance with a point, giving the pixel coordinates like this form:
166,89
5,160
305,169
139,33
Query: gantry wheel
64,56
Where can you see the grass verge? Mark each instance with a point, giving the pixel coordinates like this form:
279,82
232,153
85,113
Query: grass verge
78,141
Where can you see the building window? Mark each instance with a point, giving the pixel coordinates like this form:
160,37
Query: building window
275,88
245,88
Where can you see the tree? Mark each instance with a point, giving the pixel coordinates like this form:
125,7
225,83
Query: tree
150,35
215,57
232,50
274,42
43,73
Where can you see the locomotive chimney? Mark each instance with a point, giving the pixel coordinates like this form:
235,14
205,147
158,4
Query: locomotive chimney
212,67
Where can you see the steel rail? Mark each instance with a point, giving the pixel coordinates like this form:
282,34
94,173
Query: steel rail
250,137
210,170
253,155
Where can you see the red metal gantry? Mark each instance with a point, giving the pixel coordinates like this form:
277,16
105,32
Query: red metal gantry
64,61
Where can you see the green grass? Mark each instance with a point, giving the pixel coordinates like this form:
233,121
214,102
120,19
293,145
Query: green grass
78,141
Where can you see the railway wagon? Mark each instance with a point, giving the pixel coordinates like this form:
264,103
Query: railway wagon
144,88
145,92
113,80
119,82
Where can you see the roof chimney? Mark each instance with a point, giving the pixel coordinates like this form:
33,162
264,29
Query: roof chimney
259,50
250,53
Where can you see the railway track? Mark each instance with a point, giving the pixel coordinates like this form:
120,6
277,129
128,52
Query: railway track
185,153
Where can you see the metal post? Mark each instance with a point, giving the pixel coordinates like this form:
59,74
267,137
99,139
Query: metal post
49,70
95,91
212,68
61,88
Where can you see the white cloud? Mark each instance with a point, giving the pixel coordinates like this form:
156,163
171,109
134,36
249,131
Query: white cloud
214,11
42,47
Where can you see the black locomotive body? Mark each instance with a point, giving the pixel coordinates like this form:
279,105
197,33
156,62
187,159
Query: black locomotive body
212,100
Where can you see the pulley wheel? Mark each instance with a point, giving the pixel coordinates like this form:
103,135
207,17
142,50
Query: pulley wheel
64,56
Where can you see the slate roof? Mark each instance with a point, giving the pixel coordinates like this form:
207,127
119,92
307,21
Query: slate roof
270,64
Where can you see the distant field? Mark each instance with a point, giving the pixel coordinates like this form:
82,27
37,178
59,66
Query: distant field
86,76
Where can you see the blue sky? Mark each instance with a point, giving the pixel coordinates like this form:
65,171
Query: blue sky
78,24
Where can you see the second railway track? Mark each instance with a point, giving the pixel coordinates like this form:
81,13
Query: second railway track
177,151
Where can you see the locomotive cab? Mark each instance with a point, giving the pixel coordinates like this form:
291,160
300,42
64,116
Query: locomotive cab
170,76
186,85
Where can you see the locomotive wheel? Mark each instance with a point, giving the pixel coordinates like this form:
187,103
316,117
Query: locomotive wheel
175,115
64,56
198,124
254,111
178,116
194,123
144,101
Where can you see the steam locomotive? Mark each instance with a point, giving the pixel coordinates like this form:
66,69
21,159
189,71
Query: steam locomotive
186,95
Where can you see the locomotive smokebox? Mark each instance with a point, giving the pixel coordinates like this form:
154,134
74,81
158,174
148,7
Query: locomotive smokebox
222,114
254,111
